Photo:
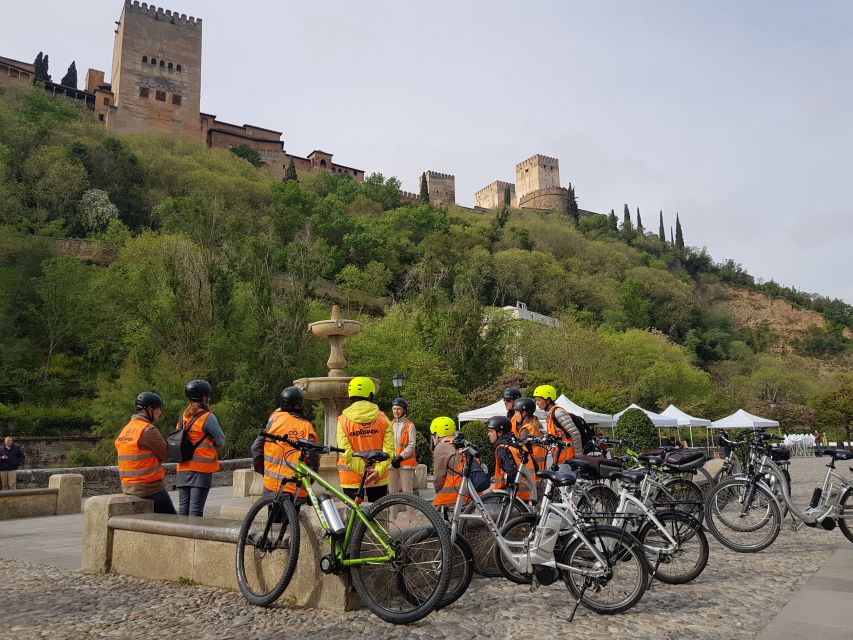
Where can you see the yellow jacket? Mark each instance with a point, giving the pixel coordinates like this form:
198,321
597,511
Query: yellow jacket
365,412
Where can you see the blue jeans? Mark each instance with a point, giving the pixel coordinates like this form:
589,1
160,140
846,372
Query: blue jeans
191,501
162,502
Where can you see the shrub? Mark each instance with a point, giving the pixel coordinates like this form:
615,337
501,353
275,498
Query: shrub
637,426
423,449
35,420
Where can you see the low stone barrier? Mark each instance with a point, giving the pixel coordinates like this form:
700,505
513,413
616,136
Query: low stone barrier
105,480
121,535
63,495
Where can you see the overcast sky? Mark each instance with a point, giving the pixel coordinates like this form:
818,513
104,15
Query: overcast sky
738,115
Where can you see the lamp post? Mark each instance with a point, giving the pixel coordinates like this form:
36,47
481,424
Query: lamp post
397,381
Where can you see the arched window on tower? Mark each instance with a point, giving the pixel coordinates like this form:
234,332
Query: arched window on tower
323,163
179,67
170,66
153,60
162,64
144,58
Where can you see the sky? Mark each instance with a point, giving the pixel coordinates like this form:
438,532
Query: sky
736,115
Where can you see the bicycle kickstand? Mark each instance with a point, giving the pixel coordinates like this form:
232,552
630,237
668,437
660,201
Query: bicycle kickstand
578,601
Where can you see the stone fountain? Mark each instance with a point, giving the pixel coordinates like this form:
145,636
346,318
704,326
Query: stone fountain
331,390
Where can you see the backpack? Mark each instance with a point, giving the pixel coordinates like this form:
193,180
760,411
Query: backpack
587,433
178,444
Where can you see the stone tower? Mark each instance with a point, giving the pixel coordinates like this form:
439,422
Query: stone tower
535,173
441,187
156,72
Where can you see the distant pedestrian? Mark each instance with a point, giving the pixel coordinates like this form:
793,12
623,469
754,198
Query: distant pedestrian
11,457
818,451
723,441
402,473
141,449
195,476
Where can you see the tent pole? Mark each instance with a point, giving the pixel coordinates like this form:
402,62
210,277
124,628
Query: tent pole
690,429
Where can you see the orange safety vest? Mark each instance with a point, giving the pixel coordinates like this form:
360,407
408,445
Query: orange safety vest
540,454
554,428
204,458
498,481
136,465
279,457
404,442
362,437
452,480
514,422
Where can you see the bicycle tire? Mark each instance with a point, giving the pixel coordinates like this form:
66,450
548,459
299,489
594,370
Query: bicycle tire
685,529
725,528
624,555
519,528
461,572
845,512
267,550
423,556
598,498
479,536
686,496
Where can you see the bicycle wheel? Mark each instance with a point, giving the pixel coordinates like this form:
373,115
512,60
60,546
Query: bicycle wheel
599,499
267,550
745,530
515,532
845,514
461,572
625,579
501,509
684,495
688,560
410,586
706,481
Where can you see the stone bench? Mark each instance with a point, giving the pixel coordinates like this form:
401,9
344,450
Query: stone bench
63,495
121,535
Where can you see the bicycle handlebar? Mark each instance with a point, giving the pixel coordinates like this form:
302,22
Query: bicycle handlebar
301,444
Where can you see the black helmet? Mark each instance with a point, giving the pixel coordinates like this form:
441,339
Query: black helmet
511,393
401,402
501,424
148,399
292,398
525,404
196,390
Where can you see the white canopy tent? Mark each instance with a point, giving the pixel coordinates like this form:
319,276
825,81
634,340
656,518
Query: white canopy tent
490,411
741,419
685,420
592,417
657,419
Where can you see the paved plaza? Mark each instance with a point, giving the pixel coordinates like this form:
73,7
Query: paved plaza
801,587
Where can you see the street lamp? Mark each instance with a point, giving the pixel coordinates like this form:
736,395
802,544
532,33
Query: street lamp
397,380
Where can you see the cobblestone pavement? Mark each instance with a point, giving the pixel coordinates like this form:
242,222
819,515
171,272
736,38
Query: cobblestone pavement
735,597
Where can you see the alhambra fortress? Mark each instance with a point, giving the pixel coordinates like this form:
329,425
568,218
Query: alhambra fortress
155,86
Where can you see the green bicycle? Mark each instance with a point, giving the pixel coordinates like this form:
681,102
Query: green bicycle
397,550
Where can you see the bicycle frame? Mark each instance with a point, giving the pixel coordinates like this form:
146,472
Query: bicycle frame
625,498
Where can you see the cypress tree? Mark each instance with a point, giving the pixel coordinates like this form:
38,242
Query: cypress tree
627,227
639,222
679,236
661,232
70,78
507,197
572,205
613,220
38,63
424,189
46,68
290,172
671,241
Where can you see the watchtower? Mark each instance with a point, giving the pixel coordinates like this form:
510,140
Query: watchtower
441,187
537,172
156,72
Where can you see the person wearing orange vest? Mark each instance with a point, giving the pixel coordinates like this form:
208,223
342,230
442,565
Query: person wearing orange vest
559,421
273,459
195,476
141,449
363,427
447,464
510,395
401,475
506,457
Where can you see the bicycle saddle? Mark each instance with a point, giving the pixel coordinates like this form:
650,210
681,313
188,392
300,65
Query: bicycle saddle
372,456
631,477
655,461
838,454
583,468
559,478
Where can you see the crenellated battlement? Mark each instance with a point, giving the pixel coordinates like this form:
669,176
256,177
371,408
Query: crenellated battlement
440,176
497,184
536,159
158,13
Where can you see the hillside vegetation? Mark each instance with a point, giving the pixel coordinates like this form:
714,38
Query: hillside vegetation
131,263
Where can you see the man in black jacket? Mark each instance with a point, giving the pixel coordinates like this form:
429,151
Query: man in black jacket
11,458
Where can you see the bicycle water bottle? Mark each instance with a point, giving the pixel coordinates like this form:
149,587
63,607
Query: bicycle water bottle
334,524
550,533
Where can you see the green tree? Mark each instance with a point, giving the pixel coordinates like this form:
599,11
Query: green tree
639,222
627,226
248,154
679,236
96,210
572,205
613,220
70,77
635,303
290,172
424,186
661,232
62,310
833,411
637,426
41,65
507,196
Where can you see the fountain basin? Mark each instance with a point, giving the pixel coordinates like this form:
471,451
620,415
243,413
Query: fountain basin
335,327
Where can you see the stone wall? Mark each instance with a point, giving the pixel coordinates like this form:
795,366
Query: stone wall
44,452
492,196
535,173
554,199
441,187
104,480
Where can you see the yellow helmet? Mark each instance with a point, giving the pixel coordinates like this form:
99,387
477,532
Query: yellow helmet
545,391
361,387
442,426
